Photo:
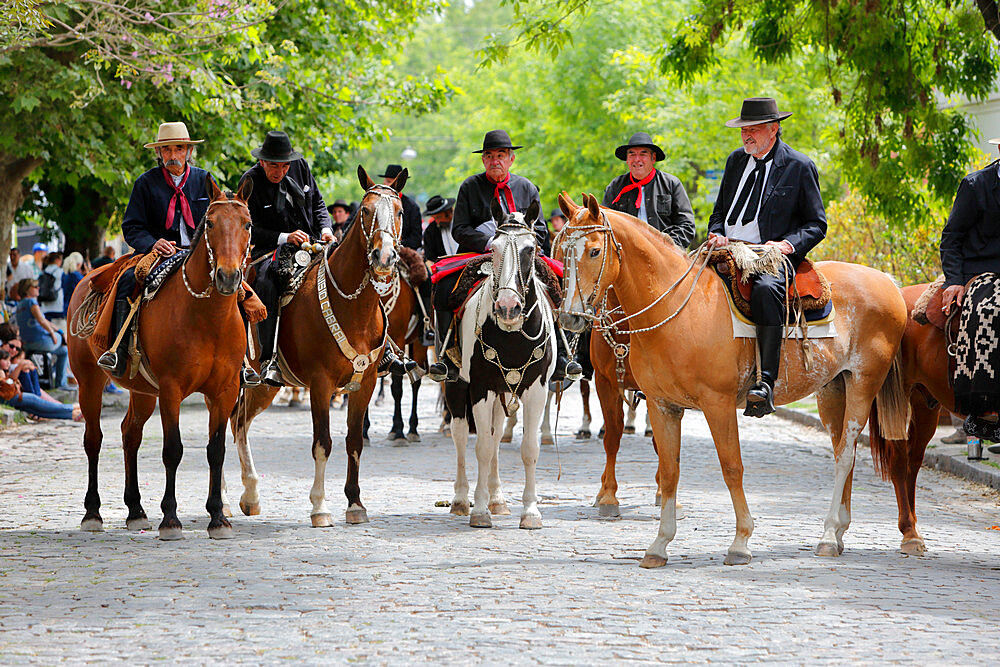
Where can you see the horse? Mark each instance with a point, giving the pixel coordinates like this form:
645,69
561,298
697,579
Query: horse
925,372
338,338
405,310
684,355
193,339
507,339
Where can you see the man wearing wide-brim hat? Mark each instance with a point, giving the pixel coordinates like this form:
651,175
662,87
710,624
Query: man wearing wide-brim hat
340,212
653,196
286,207
438,240
769,195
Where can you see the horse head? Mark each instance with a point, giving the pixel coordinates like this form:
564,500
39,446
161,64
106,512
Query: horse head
514,250
380,217
591,261
227,235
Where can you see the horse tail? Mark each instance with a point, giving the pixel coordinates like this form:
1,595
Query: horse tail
889,421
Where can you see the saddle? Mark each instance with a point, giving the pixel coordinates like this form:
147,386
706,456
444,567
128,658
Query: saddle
810,290
290,266
472,277
927,309
105,284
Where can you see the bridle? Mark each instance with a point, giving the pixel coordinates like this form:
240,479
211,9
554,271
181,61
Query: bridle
573,237
383,205
212,266
511,232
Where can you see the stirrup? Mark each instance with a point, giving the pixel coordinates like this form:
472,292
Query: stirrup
574,371
272,375
249,377
108,360
442,371
764,403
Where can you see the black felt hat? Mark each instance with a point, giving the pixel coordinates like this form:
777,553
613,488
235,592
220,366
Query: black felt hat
640,140
557,211
757,111
495,139
277,147
438,204
342,204
391,171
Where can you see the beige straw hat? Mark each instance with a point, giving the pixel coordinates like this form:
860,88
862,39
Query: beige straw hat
171,134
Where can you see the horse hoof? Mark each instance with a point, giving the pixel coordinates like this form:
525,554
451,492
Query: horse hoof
650,561
92,525
828,549
250,509
460,508
629,430
357,515
227,512
171,533
548,440
499,509
609,511
648,433
582,434
321,520
531,522
506,438
737,558
413,437
395,437
480,520
139,523
913,547
221,532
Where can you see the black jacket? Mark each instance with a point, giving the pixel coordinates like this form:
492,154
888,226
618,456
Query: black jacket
410,235
970,242
668,208
472,208
273,214
145,216
433,245
791,207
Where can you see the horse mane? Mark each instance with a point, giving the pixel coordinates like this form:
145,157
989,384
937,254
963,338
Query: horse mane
200,229
648,231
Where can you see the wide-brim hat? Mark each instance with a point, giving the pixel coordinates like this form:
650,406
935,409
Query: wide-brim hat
171,134
495,139
439,204
342,204
557,212
757,111
391,171
640,140
277,147
995,141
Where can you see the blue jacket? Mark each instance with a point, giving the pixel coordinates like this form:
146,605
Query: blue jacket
145,217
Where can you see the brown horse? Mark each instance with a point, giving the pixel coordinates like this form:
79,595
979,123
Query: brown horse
926,381
352,277
684,355
194,339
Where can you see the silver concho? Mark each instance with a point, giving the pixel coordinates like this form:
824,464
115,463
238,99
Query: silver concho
537,353
352,386
361,362
302,258
490,353
513,377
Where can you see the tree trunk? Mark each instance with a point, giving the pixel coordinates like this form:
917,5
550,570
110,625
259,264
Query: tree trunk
988,8
13,192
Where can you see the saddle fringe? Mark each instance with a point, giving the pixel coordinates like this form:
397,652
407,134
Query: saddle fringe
751,264
919,314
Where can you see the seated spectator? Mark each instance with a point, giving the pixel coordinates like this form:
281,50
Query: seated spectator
21,368
37,333
53,308
12,395
72,275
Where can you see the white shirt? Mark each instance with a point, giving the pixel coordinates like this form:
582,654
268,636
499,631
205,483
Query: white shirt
749,232
449,242
185,232
641,213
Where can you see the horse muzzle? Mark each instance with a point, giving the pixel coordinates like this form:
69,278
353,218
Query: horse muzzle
508,312
572,322
227,282
382,260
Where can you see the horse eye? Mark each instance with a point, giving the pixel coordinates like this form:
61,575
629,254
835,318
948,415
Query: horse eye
247,226
594,252
209,224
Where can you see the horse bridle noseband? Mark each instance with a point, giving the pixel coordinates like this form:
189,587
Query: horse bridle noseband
211,255
571,237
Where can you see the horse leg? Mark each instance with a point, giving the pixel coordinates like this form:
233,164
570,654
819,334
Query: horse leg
456,397
649,426
667,424
357,410
583,433
251,403
611,409
508,429
173,450
322,445
412,435
396,387
140,407
220,407
533,398
547,438
923,424
725,432
91,386
498,504
630,418
486,445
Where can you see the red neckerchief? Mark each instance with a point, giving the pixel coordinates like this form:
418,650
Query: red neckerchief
178,195
507,193
633,185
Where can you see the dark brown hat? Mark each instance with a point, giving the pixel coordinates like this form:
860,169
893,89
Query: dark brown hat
757,111
391,171
495,139
438,204
640,140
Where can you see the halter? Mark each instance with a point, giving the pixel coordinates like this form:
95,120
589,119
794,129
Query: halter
211,255
511,232
575,254
382,286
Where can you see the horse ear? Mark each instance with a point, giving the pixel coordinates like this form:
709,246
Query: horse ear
213,190
364,179
244,190
532,214
567,205
496,211
593,206
400,181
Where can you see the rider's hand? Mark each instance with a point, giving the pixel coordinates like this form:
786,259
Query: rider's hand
784,246
952,293
298,237
164,247
326,236
717,240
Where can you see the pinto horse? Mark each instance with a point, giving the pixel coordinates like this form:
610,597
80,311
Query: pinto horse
316,348
196,307
508,346
684,355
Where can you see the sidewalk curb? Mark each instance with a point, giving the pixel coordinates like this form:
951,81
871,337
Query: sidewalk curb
955,464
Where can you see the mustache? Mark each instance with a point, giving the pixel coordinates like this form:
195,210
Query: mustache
173,163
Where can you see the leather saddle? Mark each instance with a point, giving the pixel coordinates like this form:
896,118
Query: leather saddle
810,289
927,309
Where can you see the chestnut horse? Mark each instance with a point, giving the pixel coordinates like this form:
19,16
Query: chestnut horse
352,276
194,339
926,381
684,355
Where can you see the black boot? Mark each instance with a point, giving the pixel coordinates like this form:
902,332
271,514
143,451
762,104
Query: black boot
444,369
267,332
392,363
115,360
760,399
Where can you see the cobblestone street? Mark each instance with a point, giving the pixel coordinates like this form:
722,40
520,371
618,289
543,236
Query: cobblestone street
418,585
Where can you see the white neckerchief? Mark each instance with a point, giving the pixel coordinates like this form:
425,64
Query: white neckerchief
449,242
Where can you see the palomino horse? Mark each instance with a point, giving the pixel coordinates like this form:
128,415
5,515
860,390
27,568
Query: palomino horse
337,340
404,315
684,355
508,346
926,382
194,339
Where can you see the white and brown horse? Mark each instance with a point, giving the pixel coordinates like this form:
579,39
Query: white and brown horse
684,355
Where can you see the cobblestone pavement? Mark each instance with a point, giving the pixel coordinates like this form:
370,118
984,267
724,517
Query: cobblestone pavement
418,585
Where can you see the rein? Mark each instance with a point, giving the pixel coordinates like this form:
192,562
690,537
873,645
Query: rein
212,266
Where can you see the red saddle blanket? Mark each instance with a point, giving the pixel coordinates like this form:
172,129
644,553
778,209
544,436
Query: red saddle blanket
452,263
808,282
